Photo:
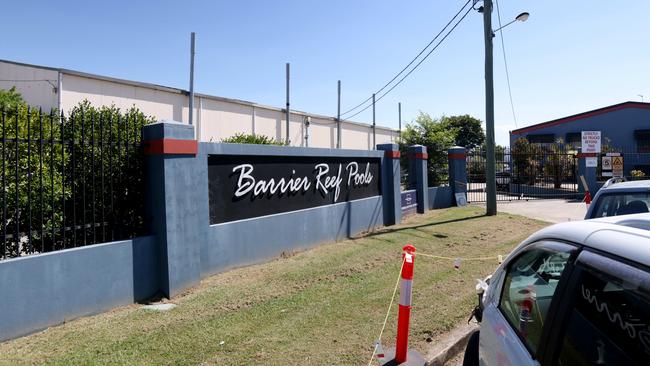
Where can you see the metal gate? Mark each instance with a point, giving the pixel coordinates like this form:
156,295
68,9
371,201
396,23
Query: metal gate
537,172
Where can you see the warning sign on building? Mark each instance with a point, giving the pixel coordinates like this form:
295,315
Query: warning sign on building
607,163
591,141
617,166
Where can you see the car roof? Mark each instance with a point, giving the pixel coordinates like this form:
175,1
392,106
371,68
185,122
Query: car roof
633,184
627,236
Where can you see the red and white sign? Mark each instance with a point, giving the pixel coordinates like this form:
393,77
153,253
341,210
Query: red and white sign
590,141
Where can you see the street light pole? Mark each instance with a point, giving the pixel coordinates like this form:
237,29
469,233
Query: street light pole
490,175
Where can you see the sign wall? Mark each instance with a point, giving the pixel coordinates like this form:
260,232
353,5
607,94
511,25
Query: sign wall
247,186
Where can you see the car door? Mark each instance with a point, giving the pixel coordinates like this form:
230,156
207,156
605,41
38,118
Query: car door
514,322
606,315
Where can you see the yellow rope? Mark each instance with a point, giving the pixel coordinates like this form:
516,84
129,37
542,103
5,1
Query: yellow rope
399,276
461,258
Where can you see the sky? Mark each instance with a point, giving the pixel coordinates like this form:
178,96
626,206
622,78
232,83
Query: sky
569,57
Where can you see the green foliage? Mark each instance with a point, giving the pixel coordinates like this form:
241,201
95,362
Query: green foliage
467,130
556,160
246,138
436,137
99,163
10,99
559,162
28,165
525,157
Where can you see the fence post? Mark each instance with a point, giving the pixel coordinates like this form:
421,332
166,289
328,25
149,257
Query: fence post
390,184
418,178
457,171
588,172
174,205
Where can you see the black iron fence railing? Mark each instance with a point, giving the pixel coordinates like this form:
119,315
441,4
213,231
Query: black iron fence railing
530,172
69,181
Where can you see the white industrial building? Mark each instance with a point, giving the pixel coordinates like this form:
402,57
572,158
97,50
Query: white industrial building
215,117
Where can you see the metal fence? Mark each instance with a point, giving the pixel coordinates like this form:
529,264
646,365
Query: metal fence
536,172
69,181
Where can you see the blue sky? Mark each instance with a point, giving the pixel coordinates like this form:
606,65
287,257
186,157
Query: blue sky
569,57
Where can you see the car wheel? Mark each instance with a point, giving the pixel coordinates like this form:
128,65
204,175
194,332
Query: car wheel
471,351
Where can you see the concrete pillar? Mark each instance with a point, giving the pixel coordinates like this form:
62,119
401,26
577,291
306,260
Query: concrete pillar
173,202
588,173
418,177
457,170
390,184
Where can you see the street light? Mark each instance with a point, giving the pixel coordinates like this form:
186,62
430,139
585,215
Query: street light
521,17
490,174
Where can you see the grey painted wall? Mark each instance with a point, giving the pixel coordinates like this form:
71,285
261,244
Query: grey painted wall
40,291
254,240
44,290
440,197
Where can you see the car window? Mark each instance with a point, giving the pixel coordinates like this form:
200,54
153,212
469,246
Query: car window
530,283
616,204
610,321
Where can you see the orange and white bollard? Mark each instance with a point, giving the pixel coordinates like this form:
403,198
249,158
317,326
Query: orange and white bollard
404,314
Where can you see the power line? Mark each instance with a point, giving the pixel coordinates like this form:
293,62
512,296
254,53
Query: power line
412,61
417,65
505,62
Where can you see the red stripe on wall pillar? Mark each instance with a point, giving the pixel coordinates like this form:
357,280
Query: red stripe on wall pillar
423,156
171,146
457,156
392,154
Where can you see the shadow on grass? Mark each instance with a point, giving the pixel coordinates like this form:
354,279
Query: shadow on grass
396,230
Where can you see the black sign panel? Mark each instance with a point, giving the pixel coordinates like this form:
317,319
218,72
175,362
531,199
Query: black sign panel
245,186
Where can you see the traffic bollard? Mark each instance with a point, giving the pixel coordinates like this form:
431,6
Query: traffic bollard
404,314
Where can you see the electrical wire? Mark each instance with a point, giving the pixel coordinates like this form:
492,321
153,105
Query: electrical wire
505,62
416,66
412,61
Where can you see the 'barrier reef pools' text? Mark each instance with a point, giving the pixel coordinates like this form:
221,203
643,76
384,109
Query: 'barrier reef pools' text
323,180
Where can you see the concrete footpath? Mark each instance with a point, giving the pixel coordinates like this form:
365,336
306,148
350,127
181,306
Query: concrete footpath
554,211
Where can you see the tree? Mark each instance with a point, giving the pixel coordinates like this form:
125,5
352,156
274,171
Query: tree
245,138
28,164
436,137
525,157
96,172
467,130
10,99
559,164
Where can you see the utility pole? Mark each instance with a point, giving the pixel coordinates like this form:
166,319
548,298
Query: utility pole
374,141
338,118
490,176
287,111
399,114
191,103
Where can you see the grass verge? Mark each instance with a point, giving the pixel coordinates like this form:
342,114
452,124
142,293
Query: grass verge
321,306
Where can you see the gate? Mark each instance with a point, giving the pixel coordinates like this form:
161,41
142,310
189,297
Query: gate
536,172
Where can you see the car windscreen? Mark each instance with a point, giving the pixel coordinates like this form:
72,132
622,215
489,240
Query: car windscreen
621,203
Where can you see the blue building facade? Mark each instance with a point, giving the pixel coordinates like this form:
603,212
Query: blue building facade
624,127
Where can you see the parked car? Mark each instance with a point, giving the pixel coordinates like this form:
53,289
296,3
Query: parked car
575,293
620,198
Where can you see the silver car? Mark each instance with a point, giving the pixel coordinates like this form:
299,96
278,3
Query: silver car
620,198
576,293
